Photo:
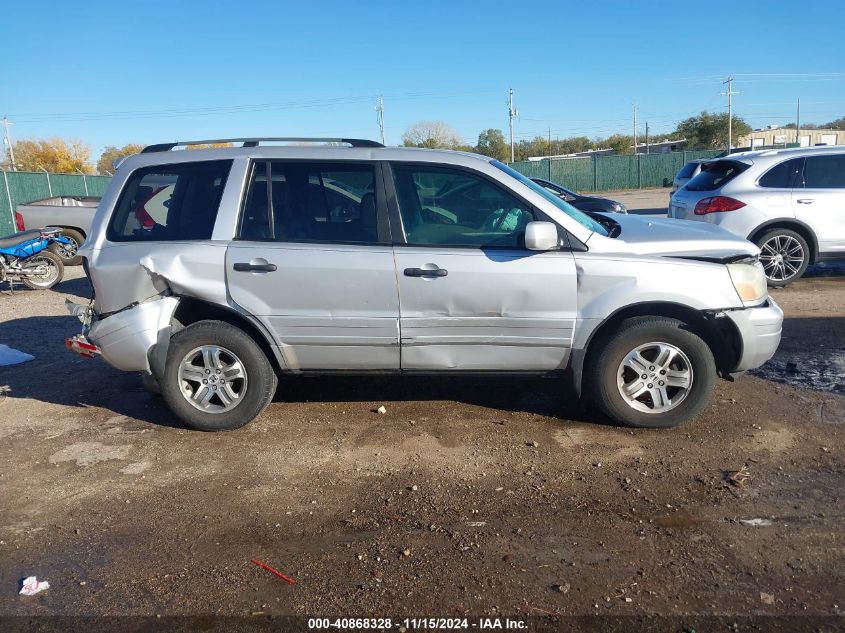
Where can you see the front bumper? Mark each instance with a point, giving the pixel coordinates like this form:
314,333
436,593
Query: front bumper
760,331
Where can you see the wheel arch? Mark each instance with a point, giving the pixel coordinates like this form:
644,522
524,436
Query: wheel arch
790,224
72,228
719,333
191,310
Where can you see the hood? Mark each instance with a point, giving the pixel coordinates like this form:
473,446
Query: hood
674,238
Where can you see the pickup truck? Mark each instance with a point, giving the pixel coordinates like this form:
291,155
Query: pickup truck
72,214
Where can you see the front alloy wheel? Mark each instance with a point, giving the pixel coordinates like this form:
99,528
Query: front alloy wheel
650,372
655,377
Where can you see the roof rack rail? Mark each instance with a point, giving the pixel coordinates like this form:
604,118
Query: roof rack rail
254,142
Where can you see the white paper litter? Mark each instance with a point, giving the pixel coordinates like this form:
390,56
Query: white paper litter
381,410
11,356
755,522
32,586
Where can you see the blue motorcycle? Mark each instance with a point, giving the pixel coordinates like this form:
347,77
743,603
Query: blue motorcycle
26,257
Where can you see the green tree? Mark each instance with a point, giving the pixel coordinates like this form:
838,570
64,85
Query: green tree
619,143
710,131
55,155
491,142
105,165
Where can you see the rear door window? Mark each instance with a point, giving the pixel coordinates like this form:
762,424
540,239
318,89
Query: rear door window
825,172
716,174
311,202
782,175
170,202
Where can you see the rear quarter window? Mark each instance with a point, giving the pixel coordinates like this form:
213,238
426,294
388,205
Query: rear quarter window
716,174
170,202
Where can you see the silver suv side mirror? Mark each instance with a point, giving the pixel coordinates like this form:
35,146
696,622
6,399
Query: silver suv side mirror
541,236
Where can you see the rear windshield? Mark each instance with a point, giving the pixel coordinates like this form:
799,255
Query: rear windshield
687,170
716,174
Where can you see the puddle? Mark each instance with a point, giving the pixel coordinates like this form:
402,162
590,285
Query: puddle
822,370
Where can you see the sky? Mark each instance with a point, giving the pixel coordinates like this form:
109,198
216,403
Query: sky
111,73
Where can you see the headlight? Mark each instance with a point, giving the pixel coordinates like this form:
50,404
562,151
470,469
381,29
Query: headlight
749,281
619,208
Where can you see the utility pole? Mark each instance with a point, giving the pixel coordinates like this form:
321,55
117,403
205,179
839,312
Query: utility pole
380,116
798,123
646,137
730,93
550,143
512,112
7,141
634,106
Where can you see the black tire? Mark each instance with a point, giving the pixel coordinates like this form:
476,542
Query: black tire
259,385
768,243
52,260
604,364
58,249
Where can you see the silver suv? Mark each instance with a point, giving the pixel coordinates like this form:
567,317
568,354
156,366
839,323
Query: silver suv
216,270
790,202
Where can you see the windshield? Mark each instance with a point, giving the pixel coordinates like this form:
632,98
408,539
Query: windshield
579,216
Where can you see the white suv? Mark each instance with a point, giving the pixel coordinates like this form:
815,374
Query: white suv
790,202
258,260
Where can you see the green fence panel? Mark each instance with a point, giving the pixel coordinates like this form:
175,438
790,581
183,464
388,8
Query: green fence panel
573,173
6,224
616,172
97,185
605,172
25,187
532,168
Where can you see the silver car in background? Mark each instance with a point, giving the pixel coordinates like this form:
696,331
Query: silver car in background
261,260
790,202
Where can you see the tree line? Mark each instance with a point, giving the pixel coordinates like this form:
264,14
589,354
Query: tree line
704,131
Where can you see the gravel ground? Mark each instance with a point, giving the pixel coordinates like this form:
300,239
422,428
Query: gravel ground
469,497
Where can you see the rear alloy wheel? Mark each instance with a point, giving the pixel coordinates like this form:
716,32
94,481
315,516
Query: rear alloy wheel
653,372
216,378
68,252
784,255
46,268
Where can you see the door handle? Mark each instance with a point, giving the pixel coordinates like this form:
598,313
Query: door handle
806,200
426,272
247,267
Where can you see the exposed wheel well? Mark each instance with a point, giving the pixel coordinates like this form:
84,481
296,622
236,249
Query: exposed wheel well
802,229
192,310
72,228
720,334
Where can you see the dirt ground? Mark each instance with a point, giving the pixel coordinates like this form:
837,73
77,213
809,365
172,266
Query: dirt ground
468,498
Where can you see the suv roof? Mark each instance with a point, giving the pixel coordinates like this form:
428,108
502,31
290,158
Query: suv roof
355,149
792,151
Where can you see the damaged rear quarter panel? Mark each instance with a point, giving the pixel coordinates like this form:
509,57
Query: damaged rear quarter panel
126,273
